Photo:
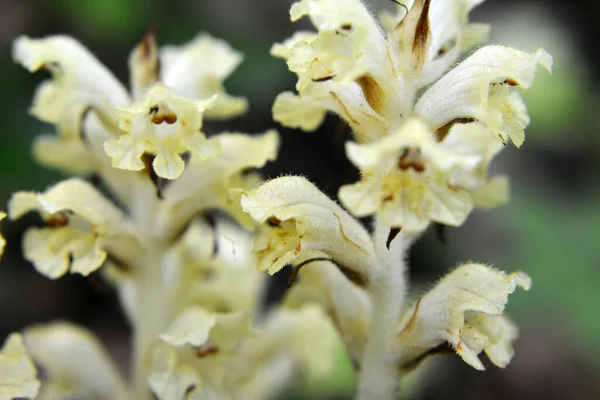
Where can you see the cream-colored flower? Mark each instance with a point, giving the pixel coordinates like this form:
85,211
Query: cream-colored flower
165,126
300,223
17,372
89,106
350,68
83,228
74,362
410,179
464,310
2,240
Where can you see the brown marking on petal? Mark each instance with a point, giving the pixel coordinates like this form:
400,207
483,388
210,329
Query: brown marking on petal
206,350
346,27
373,92
413,320
118,263
354,276
392,235
323,78
442,132
346,238
511,82
419,47
57,219
148,43
459,347
345,111
409,365
411,158
274,222
296,268
148,170
387,198
400,4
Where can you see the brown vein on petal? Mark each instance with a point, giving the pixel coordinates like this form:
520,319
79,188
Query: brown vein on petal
347,239
419,47
442,132
411,323
409,365
344,108
373,92
411,158
296,268
206,350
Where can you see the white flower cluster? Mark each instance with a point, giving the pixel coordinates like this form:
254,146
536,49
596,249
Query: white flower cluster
189,278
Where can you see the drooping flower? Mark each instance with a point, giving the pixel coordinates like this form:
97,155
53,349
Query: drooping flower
161,119
464,310
299,223
17,371
82,229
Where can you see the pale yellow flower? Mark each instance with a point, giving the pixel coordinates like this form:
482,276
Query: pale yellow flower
464,310
74,362
300,223
409,178
17,371
90,107
83,227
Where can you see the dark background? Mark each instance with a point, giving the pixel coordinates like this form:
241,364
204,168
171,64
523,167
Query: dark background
550,229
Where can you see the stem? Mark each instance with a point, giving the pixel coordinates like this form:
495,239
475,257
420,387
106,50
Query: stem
149,317
379,376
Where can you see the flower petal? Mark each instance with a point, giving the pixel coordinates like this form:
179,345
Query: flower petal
197,70
17,372
74,362
457,311
294,112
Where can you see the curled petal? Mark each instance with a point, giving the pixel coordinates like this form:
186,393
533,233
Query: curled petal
479,88
284,50
169,380
197,70
17,372
463,309
74,68
75,363
299,222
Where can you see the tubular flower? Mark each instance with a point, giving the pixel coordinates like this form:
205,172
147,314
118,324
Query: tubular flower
93,111
17,371
299,223
379,80
464,310
82,229
410,179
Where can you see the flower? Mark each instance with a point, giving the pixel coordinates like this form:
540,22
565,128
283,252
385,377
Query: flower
464,310
17,371
299,223
161,118
82,229
409,178
380,84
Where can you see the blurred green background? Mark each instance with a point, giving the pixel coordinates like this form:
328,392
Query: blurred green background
549,229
